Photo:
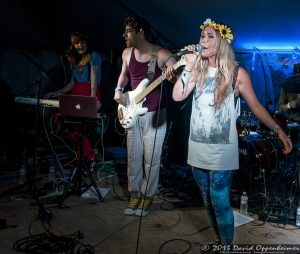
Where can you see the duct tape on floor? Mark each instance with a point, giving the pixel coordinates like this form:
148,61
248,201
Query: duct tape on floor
92,194
241,219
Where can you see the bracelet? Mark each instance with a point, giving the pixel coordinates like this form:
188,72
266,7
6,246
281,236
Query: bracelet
276,129
119,88
186,70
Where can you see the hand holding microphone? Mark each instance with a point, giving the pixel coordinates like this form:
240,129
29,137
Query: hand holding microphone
191,53
189,50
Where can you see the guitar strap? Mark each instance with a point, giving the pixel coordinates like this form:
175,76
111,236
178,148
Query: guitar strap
152,63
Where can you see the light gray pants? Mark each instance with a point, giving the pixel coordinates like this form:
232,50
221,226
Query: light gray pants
144,146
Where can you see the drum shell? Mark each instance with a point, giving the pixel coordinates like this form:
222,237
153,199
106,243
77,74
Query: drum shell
259,153
281,120
293,131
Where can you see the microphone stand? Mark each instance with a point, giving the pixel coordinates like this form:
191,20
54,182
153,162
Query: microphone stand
32,169
44,214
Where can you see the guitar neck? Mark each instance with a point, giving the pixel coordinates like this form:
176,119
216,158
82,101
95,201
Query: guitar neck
157,82
33,101
149,89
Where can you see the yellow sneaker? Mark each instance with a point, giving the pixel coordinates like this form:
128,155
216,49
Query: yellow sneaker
133,204
144,206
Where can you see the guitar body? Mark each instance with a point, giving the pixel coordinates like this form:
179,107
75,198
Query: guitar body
128,114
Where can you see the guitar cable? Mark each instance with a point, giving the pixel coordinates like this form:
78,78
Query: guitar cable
157,121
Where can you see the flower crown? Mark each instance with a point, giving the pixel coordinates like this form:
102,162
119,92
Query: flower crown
224,30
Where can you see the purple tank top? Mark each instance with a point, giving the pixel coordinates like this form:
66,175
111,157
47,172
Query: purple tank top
138,72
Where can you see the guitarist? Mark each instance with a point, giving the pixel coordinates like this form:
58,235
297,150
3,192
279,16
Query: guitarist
144,139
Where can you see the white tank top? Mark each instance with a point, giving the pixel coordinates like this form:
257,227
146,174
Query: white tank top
213,141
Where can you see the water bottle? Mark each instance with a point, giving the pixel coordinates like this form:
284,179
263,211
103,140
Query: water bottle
298,217
244,203
22,174
51,176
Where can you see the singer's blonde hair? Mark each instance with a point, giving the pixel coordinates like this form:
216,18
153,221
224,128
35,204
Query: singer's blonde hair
226,69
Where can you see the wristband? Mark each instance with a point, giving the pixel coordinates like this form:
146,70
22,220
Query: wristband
185,76
119,88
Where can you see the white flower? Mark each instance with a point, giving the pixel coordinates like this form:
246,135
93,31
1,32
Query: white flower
207,21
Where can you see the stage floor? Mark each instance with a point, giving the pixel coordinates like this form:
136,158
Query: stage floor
174,225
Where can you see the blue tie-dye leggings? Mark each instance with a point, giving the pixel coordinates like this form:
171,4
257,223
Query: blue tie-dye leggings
215,188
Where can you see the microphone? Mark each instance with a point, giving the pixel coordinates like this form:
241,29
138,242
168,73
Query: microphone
198,49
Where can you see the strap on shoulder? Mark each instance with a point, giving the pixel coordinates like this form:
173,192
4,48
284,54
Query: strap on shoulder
152,63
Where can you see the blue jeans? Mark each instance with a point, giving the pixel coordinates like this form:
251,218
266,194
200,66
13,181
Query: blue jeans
215,188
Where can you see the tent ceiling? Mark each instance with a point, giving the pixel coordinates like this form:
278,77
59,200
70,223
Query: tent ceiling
46,24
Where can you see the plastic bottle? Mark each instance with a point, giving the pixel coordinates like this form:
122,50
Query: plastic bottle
244,203
51,176
298,217
22,174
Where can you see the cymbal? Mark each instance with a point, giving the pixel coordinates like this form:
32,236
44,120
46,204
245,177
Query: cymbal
291,84
293,125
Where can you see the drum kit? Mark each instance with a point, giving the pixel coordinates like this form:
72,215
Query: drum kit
260,150
262,162
263,143
271,179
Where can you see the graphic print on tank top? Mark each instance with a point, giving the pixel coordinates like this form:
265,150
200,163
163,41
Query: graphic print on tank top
210,125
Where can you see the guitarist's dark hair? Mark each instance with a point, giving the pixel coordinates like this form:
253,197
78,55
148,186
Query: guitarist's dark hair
138,24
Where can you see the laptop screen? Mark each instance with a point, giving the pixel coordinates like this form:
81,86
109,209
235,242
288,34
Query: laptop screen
78,106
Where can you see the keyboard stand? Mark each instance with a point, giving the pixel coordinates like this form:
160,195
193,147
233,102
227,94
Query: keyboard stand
82,167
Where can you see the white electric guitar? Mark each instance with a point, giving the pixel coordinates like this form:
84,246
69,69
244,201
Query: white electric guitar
134,99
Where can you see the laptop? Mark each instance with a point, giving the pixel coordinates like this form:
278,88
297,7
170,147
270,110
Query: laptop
78,106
